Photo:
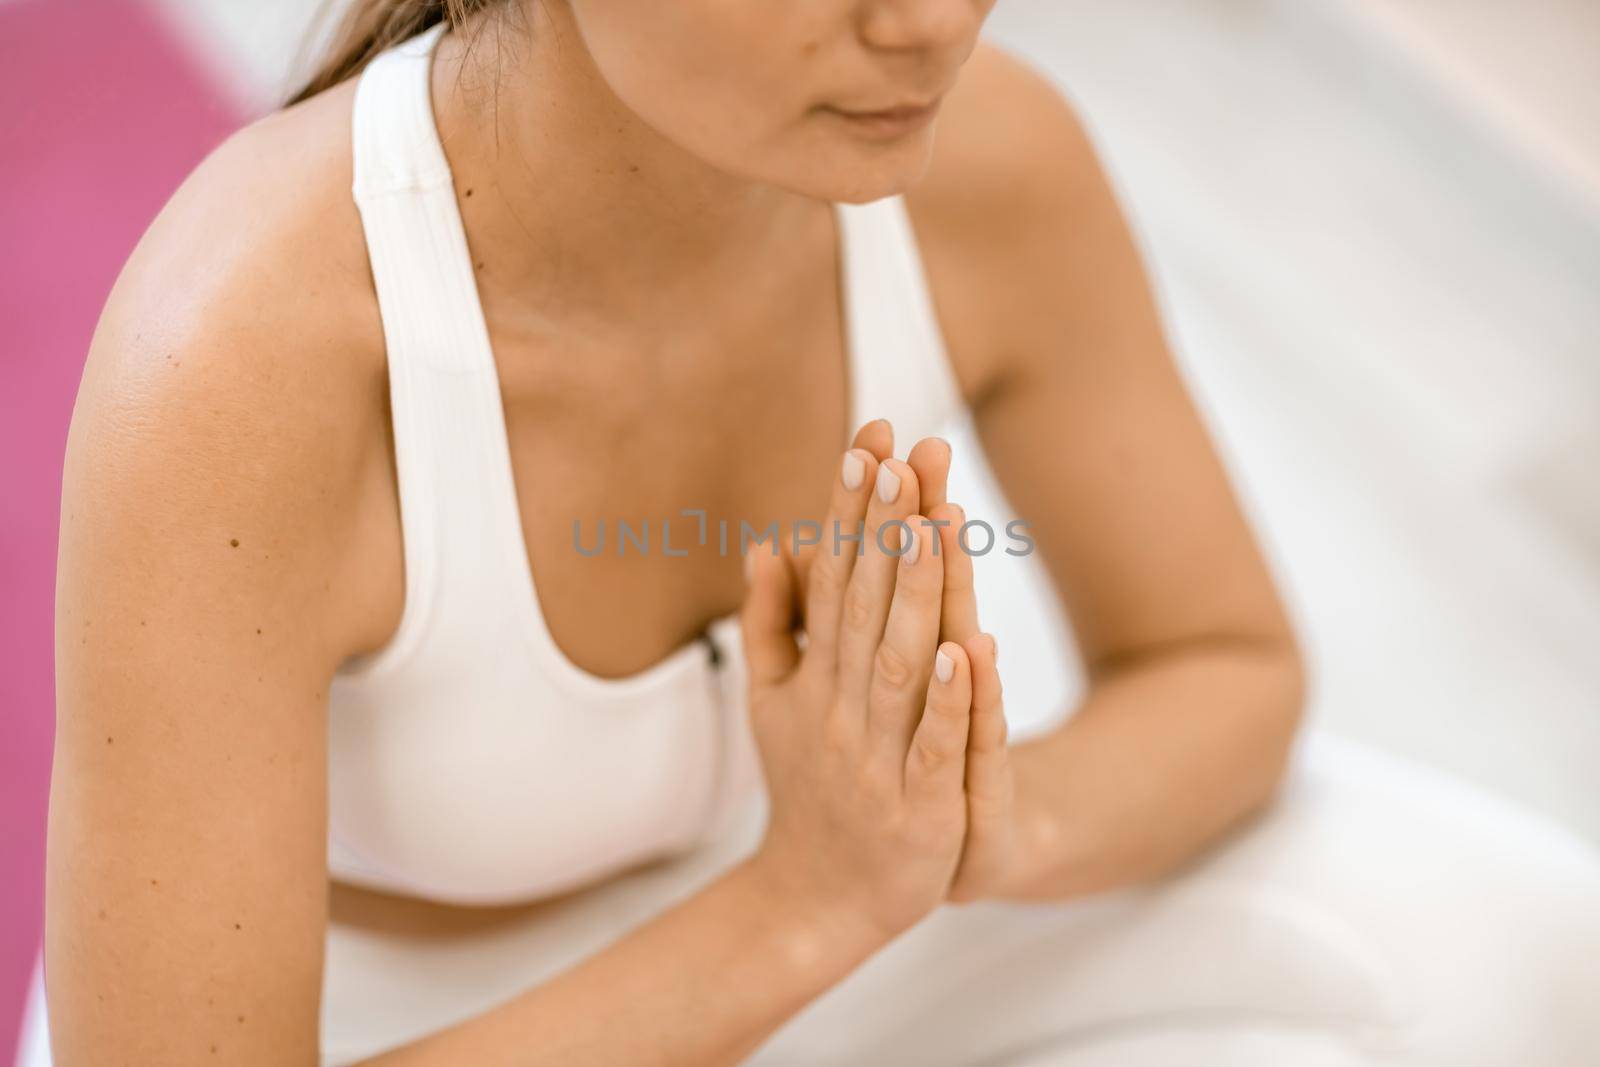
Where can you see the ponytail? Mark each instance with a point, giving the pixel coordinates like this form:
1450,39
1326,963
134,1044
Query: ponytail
371,26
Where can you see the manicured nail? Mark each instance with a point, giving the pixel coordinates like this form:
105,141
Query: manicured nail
944,666
913,548
854,470
888,484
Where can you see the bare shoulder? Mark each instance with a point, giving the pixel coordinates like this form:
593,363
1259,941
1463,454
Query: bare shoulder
1005,128
260,246
1014,203
225,429
235,384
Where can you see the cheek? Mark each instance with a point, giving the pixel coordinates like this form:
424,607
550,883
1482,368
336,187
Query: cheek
713,77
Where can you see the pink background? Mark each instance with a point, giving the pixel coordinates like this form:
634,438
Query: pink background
104,115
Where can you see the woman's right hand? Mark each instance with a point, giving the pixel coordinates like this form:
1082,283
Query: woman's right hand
863,731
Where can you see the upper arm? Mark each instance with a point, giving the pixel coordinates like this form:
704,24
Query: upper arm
1079,405
204,528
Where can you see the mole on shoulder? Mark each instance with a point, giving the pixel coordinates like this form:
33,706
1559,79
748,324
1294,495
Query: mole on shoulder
234,541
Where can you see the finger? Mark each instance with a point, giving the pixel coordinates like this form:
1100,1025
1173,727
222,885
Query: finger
866,600
930,458
876,437
990,787
935,758
834,560
767,618
959,620
910,637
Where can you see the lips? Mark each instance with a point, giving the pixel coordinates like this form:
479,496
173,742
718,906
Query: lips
891,121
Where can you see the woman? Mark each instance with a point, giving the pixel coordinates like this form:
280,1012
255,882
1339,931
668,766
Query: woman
330,610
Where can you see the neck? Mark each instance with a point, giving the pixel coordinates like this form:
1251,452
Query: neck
575,198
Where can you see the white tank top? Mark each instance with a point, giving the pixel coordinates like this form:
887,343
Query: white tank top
469,760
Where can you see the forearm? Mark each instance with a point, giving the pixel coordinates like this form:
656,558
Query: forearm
1165,755
704,984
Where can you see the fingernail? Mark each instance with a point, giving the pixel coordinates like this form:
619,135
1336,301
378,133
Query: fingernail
994,649
888,484
913,548
944,666
854,470
749,567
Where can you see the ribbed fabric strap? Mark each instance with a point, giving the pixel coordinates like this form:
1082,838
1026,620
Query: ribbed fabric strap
444,394
421,265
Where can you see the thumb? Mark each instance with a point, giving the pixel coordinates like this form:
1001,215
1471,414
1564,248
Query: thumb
767,619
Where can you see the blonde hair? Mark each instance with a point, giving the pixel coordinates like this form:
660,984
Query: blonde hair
371,26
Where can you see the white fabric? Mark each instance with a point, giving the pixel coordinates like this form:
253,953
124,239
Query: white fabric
1380,913
470,760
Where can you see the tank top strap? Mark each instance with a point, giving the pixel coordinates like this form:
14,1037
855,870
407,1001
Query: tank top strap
421,266
899,366
445,408
394,141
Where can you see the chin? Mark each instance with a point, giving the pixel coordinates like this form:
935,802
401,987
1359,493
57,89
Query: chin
851,171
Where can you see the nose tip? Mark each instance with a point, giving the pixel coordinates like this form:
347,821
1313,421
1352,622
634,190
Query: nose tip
921,24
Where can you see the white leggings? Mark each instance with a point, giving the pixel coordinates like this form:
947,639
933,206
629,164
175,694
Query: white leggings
1381,913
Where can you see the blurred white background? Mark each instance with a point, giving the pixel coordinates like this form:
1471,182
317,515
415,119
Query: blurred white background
1375,228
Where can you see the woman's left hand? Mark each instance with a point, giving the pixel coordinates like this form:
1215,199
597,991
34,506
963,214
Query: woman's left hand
991,856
